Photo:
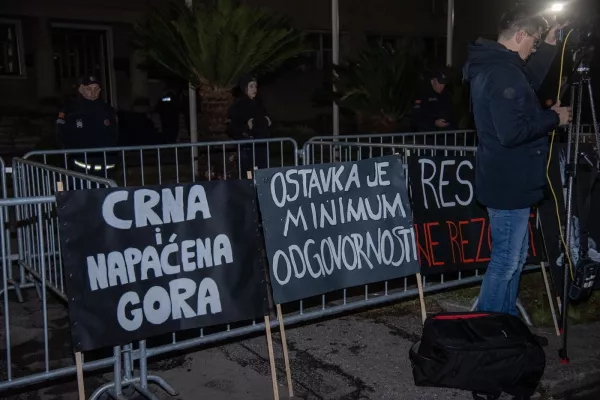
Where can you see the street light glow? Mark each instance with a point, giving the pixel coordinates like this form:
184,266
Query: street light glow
557,7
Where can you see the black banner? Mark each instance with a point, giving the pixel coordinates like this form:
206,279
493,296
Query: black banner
145,261
452,229
550,211
333,226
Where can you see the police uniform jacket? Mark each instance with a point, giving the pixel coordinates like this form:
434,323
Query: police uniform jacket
86,124
430,106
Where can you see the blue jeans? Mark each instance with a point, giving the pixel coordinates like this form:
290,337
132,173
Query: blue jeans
510,242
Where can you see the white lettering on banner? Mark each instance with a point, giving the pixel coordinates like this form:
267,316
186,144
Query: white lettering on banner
289,186
350,252
346,210
438,193
160,305
174,207
379,173
131,265
295,220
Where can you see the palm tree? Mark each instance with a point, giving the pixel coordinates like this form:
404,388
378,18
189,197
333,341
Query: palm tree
381,85
213,44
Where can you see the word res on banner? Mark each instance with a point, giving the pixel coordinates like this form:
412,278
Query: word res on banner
141,262
452,229
334,226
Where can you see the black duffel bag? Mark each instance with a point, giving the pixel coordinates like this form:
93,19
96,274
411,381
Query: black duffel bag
485,353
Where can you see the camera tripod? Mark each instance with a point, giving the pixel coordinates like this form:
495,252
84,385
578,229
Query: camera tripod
581,162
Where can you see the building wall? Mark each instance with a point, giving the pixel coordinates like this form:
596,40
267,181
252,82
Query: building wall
289,96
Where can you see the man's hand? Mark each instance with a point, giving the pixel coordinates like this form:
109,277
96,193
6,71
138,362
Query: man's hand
551,36
250,123
441,123
268,120
565,114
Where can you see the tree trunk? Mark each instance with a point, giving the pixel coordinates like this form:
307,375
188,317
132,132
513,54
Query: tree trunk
213,112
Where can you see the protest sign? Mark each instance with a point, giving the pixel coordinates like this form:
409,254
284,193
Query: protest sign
333,226
140,262
452,229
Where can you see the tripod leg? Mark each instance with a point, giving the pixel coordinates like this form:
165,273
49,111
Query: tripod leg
594,119
570,175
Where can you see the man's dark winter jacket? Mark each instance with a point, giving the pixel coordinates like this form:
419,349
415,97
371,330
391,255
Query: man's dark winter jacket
512,127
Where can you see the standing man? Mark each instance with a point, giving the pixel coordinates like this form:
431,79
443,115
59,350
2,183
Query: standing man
512,127
88,123
433,110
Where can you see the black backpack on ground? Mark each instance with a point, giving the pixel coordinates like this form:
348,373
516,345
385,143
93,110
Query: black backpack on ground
486,353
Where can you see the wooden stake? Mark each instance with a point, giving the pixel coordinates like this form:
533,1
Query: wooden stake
78,357
80,384
547,281
249,175
272,358
549,293
286,358
421,297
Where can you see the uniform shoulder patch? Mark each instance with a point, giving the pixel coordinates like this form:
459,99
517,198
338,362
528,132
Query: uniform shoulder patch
509,93
61,115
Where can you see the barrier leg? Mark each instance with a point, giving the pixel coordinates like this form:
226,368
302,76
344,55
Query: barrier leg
12,285
142,387
113,389
520,307
524,313
124,378
475,303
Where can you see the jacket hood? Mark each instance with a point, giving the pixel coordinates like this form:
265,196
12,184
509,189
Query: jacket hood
244,81
484,53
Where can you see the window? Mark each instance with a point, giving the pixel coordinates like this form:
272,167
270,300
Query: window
11,49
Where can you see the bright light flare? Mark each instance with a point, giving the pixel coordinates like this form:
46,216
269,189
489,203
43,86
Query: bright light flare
557,7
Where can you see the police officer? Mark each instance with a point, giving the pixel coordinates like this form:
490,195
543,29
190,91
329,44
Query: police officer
87,123
433,110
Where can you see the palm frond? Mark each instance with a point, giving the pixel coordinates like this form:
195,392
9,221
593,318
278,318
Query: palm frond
382,82
214,44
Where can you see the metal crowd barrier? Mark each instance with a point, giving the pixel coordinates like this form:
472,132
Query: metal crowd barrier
318,149
155,165
33,179
47,330
39,260
39,254
6,250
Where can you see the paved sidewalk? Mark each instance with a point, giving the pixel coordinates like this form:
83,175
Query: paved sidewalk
356,357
